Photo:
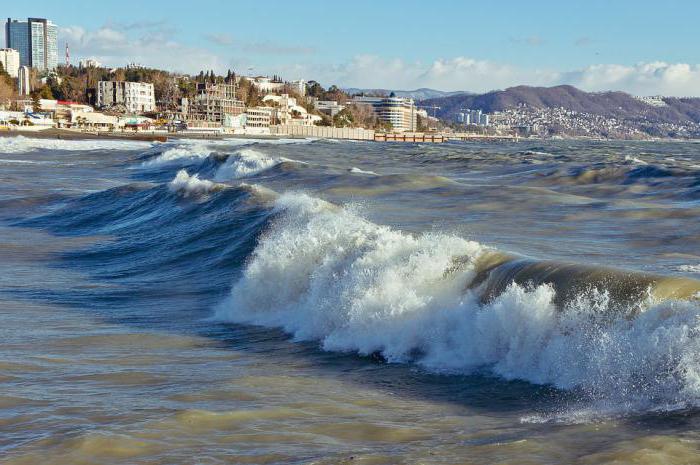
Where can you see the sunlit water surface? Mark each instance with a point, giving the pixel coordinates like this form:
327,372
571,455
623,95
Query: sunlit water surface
314,302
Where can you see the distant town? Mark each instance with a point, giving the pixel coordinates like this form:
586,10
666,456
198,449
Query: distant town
41,89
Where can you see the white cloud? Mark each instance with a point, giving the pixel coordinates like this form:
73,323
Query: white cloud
152,44
463,73
112,46
677,79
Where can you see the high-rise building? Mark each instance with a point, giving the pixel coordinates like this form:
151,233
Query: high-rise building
36,40
10,61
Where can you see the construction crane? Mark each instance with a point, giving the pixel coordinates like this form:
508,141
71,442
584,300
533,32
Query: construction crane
67,56
435,108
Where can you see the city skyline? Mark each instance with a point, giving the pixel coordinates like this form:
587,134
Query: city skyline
472,47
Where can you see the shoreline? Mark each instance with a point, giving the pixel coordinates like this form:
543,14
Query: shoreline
147,137
67,134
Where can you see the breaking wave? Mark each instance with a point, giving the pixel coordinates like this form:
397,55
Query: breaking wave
323,273
245,162
192,185
182,153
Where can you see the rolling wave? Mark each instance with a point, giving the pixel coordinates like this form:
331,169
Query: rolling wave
323,273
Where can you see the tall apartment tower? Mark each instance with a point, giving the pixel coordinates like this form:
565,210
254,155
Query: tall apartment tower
36,40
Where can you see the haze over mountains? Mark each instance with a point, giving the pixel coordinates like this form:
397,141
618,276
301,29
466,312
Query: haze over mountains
418,94
610,104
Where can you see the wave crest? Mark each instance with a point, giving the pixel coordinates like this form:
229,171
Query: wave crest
323,273
192,185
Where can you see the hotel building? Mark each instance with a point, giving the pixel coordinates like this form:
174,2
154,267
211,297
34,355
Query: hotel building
136,97
398,111
36,40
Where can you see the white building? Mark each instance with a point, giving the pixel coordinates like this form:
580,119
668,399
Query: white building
298,86
258,117
10,61
135,97
89,63
24,86
329,107
266,85
400,112
287,111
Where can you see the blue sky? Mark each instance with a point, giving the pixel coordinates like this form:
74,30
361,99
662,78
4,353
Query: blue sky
638,46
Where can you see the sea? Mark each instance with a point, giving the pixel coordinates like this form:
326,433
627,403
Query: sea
300,301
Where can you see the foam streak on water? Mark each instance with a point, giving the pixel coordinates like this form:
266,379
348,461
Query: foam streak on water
207,300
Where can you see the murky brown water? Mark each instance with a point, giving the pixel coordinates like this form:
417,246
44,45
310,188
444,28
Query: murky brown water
109,355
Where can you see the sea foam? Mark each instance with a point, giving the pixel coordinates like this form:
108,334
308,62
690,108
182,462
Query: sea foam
21,144
245,162
323,273
192,185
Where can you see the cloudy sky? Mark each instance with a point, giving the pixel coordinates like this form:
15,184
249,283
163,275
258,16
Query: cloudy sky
641,47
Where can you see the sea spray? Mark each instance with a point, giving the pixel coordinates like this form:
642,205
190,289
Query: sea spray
192,185
245,162
323,273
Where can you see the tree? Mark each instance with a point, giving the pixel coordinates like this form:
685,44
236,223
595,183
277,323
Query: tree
36,103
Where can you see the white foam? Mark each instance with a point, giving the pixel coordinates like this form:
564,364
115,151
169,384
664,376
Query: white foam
246,162
635,160
322,273
191,185
181,153
689,268
355,170
21,144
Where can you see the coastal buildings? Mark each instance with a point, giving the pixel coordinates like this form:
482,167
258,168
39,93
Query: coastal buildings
267,85
89,63
329,107
23,81
400,112
214,104
36,40
654,100
473,117
10,61
134,97
286,111
256,120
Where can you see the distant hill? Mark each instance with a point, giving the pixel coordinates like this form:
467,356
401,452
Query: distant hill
610,104
418,94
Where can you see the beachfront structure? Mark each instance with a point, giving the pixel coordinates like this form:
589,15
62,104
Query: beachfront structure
286,111
36,40
258,117
24,86
214,105
400,112
135,97
9,58
329,107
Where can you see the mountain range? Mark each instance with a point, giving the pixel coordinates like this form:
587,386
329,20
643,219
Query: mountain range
610,104
418,94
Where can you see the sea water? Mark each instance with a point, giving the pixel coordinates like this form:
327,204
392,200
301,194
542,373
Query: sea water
309,301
